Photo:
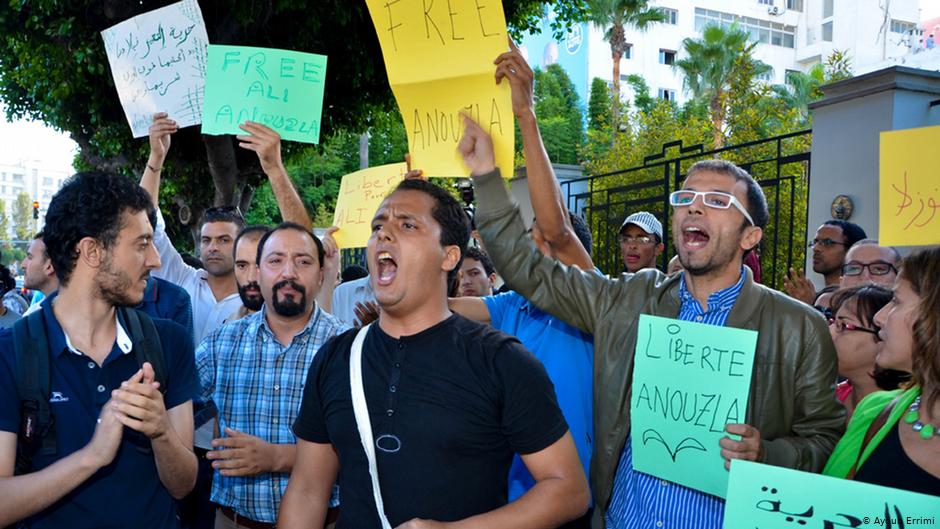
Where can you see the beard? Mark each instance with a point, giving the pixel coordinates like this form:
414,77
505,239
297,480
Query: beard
252,302
116,287
288,307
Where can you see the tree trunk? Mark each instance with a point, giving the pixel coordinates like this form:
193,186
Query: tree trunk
615,92
718,119
364,150
223,168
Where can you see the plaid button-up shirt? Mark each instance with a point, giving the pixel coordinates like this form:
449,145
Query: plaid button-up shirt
257,385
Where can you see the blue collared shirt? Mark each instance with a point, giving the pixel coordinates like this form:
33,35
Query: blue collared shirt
642,501
127,492
568,356
163,299
257,385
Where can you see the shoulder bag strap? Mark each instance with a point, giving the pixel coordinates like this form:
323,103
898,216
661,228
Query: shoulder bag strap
361,411
873,428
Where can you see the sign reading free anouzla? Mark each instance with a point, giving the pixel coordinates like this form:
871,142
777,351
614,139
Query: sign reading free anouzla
278,88
689,381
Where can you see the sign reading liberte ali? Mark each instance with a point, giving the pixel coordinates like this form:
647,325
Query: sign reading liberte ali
689,381
439,58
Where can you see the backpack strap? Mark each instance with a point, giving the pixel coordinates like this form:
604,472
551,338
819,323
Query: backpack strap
33,387
147,344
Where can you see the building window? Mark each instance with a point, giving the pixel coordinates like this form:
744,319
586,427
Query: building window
672,16
827,31
17,177
628,51
46,181
904,28
3,176
795,5
762,31
667,57
667,94
766,76
766,2
827,8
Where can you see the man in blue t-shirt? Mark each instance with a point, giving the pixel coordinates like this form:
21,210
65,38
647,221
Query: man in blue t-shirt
123,439
566,352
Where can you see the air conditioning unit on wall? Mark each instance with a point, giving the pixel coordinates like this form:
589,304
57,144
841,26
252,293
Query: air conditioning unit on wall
774,10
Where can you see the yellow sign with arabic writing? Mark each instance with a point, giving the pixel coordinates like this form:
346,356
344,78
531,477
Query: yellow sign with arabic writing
439,58
360,194
910,187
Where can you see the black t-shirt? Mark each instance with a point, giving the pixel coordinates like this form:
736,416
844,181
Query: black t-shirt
456,401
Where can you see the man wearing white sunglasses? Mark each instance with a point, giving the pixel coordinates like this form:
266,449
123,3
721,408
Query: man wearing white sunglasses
719,214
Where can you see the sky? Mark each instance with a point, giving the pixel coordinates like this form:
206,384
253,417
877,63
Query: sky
35,141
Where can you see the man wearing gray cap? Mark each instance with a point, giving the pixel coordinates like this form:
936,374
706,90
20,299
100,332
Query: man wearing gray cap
641,241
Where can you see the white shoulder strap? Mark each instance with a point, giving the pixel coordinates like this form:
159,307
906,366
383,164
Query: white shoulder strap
361,411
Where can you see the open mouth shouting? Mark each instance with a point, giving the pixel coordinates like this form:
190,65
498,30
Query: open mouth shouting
694,238
386,268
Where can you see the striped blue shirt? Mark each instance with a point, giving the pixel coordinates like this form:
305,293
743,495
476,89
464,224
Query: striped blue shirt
257,385
642,501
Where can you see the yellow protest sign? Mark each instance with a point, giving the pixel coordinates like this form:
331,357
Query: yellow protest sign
439,58
360,194
910,187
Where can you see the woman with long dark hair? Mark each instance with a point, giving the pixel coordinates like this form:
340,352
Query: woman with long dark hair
893,438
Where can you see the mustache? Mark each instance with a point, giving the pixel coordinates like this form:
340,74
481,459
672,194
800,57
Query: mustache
287,282
253,284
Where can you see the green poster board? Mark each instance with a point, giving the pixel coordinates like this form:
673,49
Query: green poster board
277,88
767,497
689,381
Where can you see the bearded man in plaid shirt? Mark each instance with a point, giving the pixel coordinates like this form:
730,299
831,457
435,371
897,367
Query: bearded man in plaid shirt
254,370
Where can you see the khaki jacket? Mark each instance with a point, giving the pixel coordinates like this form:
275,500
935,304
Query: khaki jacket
792,399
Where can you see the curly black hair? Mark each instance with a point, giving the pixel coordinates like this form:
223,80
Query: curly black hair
90,204
447,212
7,281
482,257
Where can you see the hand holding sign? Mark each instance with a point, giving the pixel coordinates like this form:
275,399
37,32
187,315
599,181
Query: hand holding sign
265,142
748,448
476,148
513,67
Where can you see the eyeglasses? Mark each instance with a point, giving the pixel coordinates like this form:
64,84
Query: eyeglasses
842,326
712,199
825,243
641,240
826,312
875,268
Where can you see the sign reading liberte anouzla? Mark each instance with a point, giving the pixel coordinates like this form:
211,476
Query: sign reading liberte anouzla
158,62
689,380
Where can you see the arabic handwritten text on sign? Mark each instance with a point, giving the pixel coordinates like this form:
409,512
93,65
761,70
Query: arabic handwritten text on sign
277,88
772,497
158,62
909,187
689,381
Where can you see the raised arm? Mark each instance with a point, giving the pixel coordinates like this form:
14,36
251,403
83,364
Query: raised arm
472,308
578,297
160,132
267,144
330,267
544,191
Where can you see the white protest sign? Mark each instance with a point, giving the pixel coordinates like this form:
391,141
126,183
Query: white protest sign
158,61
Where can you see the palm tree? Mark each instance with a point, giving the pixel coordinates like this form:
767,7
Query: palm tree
709,65
802,89
615,16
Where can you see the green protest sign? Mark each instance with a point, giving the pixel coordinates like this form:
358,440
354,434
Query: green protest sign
767,497
689,381
277,88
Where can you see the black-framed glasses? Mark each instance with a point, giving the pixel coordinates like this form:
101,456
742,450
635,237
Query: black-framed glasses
842,326
826,243
826,312
875,268
642,240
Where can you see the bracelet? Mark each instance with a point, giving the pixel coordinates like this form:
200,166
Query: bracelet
154,169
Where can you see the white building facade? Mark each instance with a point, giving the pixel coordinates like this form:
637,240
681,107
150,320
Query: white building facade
791,35
34,178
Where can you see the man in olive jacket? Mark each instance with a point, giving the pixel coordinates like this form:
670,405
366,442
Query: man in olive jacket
792,420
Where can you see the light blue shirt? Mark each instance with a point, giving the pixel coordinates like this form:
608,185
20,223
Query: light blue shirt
642,501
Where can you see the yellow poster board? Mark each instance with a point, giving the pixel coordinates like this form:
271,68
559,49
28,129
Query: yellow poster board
360,194
910,187
439,58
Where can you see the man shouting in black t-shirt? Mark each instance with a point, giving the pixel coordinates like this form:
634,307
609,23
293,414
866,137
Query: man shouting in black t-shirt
449,400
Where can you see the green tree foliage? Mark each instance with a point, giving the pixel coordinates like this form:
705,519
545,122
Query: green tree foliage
558,110
709,66
614,17
23,217
53,68
599,111
642,99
